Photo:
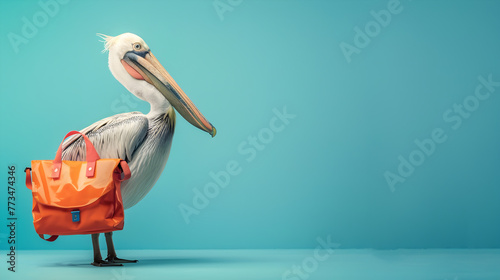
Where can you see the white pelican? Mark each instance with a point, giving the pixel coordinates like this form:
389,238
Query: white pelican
142,140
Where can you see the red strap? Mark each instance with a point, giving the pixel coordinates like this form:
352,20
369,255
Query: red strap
126,170
50,239
28,177
92,157
27,170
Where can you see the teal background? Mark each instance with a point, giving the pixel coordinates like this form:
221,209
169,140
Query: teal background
324,173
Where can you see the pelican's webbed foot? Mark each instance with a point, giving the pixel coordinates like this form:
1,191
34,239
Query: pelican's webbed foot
116,260
101,263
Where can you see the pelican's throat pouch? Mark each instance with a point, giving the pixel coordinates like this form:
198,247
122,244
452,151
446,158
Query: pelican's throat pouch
77,197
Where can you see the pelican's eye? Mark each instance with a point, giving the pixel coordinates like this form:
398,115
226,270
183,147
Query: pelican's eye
137,46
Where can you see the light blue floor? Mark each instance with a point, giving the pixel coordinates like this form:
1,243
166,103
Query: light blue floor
262,264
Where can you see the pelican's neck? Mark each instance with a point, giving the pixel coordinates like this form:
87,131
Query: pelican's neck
157,102
140,88
158,110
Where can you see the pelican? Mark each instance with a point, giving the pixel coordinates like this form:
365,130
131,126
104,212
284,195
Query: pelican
143,141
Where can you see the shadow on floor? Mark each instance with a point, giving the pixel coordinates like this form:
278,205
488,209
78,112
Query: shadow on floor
163,262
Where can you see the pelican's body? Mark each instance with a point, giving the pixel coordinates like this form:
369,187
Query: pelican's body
143,141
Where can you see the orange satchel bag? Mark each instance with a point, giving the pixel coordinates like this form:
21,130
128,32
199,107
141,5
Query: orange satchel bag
77,197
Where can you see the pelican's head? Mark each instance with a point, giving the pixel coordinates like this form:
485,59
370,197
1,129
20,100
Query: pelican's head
133,65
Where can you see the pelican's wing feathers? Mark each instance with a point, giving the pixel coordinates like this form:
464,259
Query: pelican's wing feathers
117,136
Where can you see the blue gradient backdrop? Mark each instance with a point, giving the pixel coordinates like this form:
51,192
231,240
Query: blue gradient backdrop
324,172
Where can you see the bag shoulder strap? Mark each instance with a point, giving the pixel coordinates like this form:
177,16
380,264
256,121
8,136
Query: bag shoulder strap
126,170
27,170
50,239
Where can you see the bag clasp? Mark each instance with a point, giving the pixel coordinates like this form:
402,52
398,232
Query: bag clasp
75,216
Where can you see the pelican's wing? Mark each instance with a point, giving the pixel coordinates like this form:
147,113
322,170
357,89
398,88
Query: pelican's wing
115,137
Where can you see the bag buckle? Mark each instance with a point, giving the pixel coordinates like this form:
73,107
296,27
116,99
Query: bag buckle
75,215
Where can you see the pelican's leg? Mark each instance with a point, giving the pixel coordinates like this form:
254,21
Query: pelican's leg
97,253
111,251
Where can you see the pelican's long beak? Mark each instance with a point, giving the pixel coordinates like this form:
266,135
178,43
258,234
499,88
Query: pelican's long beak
144,65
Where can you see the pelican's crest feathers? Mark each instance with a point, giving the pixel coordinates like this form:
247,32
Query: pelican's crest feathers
107,40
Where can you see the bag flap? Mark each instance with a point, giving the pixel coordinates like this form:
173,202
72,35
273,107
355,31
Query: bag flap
72,189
